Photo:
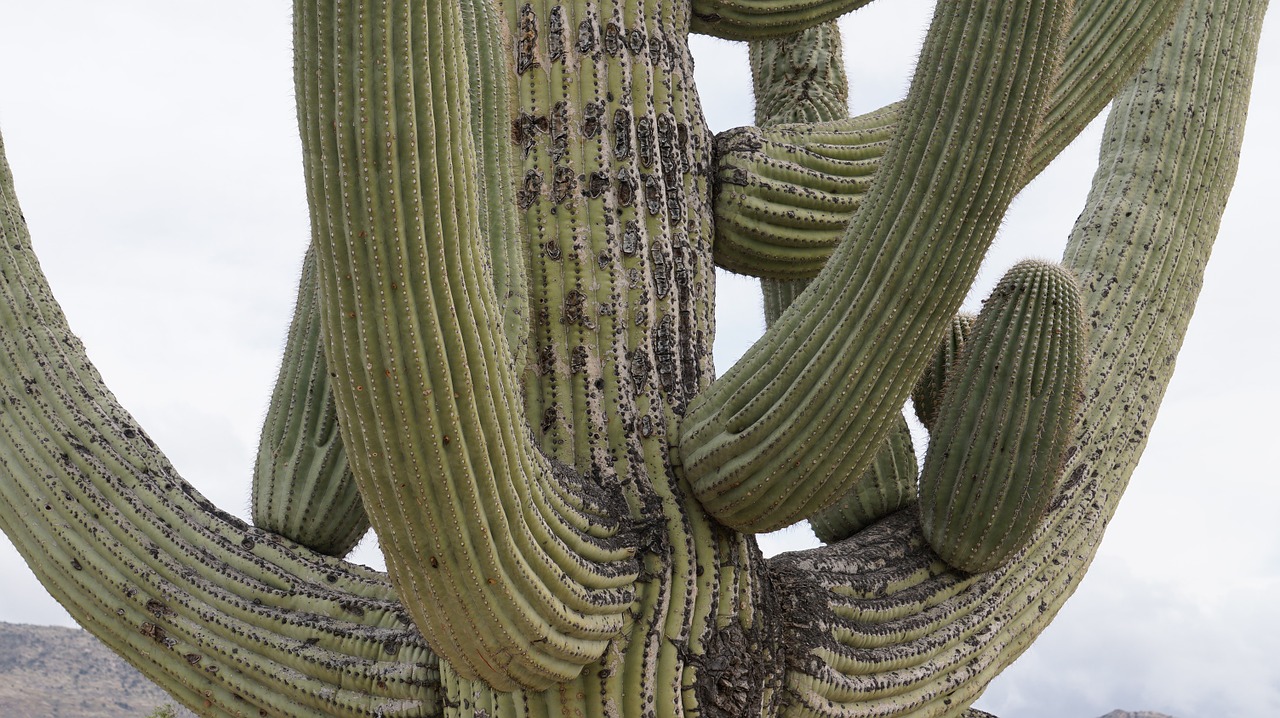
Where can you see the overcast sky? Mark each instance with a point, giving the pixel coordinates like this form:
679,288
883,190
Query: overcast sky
155,149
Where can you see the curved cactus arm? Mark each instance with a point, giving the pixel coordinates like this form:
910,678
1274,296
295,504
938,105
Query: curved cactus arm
787,429
763,19
901,632
786,196
303,488
222,615
501,557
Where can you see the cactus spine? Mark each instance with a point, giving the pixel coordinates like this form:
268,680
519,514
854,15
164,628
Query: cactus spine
516,310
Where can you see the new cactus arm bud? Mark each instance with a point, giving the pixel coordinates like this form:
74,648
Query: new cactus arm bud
926,397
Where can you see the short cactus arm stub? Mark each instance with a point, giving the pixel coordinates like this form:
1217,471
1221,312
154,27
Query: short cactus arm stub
303,488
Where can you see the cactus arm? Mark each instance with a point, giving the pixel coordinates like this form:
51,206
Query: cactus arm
222,615
887,486
902,632
819,391
764,19
786,195
999,440
515,585
799,78
302,486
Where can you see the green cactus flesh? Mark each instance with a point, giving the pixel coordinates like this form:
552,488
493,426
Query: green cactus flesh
512,209
1015,386
797,78
888,486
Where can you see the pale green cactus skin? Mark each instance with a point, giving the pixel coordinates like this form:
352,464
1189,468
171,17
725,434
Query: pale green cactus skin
515,210
926,397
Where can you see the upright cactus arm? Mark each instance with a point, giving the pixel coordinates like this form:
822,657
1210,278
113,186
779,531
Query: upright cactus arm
502,558
902,633
226,617
303,488
761,19
786,430
787,193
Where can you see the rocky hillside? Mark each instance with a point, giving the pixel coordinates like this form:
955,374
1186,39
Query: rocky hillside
51,672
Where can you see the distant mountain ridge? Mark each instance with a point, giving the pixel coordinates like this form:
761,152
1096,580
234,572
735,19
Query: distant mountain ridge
1136,714
54,672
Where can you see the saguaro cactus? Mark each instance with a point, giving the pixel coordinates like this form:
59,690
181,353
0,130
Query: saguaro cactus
517,210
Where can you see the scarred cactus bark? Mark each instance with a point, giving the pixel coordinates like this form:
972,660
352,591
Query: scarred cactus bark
515,211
